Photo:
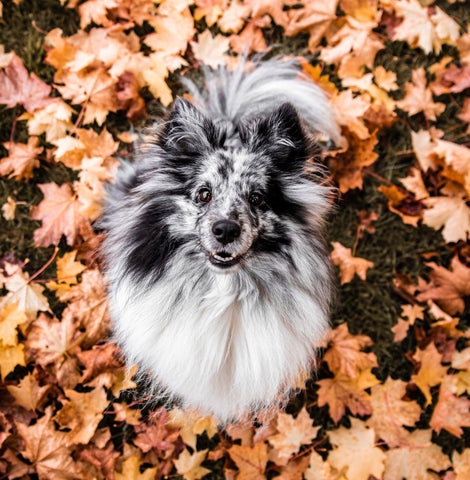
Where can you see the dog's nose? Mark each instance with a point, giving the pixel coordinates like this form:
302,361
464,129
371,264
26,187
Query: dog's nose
226,231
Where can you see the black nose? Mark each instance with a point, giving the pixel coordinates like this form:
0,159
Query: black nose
226,231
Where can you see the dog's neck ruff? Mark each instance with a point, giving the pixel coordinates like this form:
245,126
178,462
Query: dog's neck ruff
223,343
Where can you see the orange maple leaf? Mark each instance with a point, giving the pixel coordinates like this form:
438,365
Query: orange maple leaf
251,462
17,87
22,159
349,265
59,212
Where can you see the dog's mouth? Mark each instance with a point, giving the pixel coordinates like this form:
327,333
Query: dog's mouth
224,259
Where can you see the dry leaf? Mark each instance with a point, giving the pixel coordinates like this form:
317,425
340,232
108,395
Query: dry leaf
351,448
131,471
29,394
155,434
211,50
22,159
349,265
251,462
189,466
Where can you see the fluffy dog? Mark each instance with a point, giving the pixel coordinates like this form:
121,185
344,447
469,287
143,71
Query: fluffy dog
219,278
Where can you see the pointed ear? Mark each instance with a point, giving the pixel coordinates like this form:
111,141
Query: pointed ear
280,136
188,131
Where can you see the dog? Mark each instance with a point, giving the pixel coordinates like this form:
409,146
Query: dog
219,278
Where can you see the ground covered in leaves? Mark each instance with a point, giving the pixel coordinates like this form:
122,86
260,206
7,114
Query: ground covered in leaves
391,397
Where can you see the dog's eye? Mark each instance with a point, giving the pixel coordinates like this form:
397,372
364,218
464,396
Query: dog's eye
255,199
205,195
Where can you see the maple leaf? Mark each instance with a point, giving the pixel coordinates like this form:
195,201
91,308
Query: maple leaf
155,434
10,318
401,328
87,307
124,413
413,462
190,424
414,183
81,412
29,394
251,39
103,458
17,87
49,341
390,413
129,98
10,357
233,17
423,146
189,466
319,469
251,462
131,470
385,79
292,433
342,392
353,47
401,204
461,464
294,469
59,213
352,110
99,359
344,355
351,447
27,296
46,448
22,159
315,19
210,9
418,97
447,287
452,213
349,265
451,413
8,209
54,120
431,372
211,50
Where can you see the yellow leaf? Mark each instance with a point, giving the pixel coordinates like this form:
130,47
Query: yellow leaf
10,357
190,465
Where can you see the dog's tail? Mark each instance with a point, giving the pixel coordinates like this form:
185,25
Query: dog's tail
233,95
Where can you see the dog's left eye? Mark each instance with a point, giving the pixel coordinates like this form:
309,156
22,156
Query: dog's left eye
205,195
255,199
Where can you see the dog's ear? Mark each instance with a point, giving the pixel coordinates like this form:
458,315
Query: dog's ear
188,131
278,135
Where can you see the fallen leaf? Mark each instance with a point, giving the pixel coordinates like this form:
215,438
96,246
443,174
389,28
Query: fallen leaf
131,471
155,434
190,424
251,462
9,209
211,50
22,159
414,461
10,357
292,433
59,213
344,353
390,413
319,469
461,464
189,466
349,265
10,318
447,287
430,372
29,394
351,447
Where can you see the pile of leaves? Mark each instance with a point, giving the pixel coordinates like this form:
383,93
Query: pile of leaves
390,399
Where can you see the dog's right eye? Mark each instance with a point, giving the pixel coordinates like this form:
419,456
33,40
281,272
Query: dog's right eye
205,195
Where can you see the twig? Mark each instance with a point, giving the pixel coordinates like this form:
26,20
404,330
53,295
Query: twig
56,250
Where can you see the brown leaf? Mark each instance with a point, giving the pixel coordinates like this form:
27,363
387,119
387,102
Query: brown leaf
319,469
347,165
390,413
155,434
341,392
294,469
189,466
131,471
87,307
344,354
50,341
10,318
46,448
17,87
451,413
22,159
128,96
99,359
431,372
10,357
29,394
413,462
103,459
292,433
251,462
351,447
398,202
59,212
447,287
81,412
349,265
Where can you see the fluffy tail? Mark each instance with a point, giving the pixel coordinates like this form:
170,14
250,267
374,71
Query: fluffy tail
231,96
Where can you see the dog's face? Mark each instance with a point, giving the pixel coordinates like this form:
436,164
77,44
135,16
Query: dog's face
237,193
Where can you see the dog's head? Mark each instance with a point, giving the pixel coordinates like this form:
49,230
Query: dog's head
237,181
214,196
